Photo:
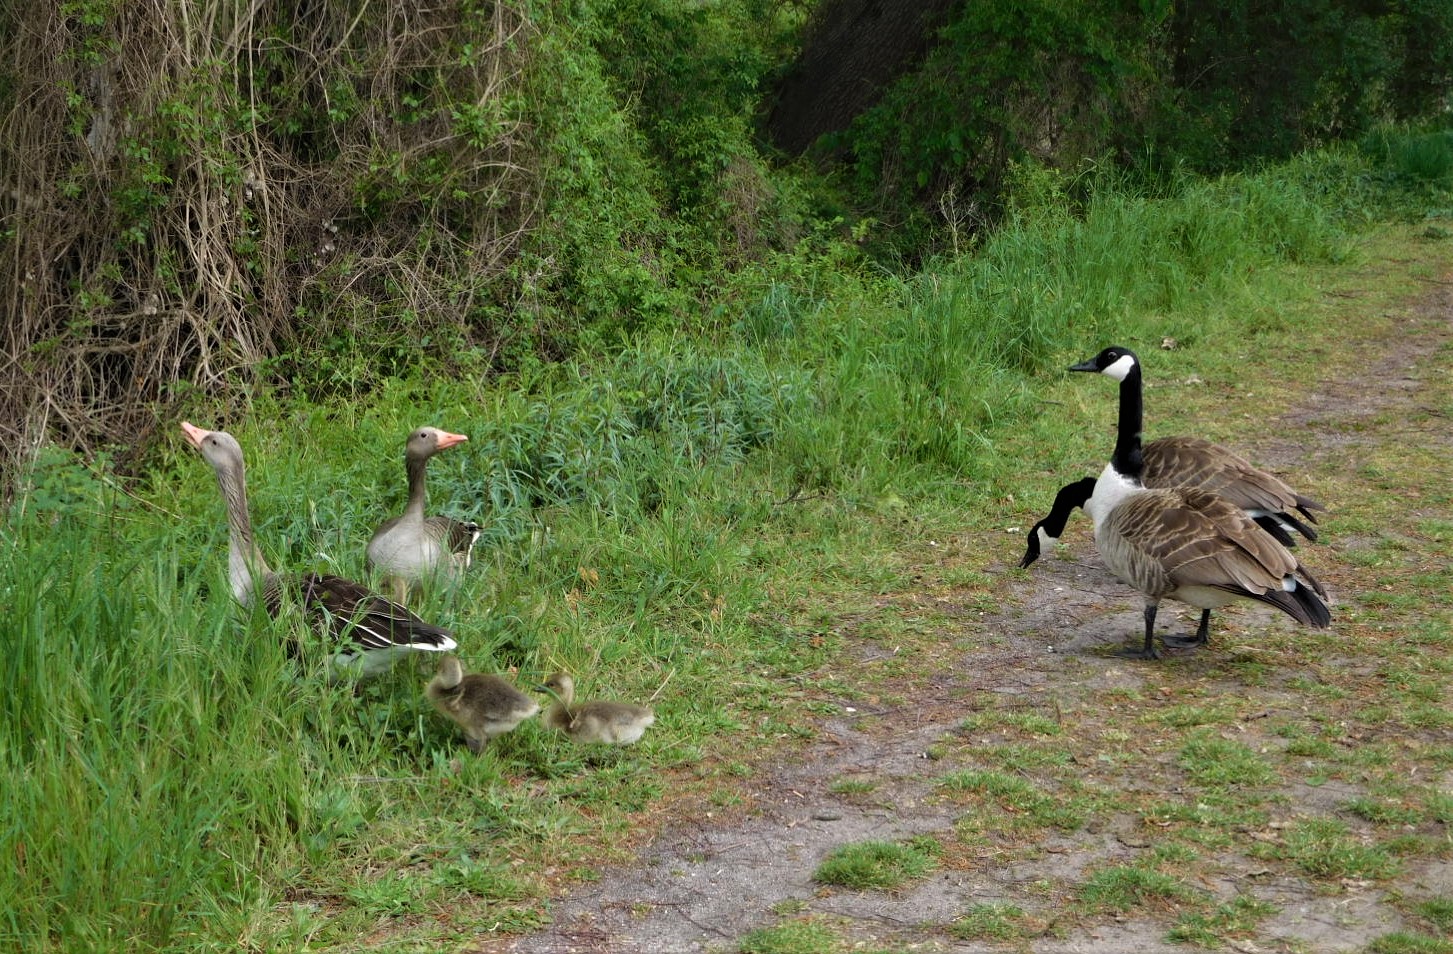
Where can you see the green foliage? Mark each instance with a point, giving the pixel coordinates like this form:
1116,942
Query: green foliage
1232,919
1410,942
1124,888
1214,762
878,864
792,937
1325,848
1001,82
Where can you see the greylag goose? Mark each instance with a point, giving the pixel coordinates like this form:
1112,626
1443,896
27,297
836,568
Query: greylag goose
483,706
618,723
411,548
1183,543
370,632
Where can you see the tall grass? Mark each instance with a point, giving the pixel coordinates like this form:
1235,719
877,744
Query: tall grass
173,782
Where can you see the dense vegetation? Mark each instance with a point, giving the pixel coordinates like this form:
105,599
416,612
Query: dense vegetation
553,228
319,198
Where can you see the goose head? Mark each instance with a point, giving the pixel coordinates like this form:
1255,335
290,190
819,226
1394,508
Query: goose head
219,448
425,442
561,686
1115,361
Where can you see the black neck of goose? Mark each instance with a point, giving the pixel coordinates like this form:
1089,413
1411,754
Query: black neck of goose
1127,459
1069,497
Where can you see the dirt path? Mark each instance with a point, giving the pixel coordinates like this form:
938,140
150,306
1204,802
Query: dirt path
704,882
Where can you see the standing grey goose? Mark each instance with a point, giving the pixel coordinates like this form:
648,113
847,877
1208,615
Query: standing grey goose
1180,543
484,706
618,723
411,548
369,632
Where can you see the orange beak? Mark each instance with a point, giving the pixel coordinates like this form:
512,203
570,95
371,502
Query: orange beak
194,434
449,440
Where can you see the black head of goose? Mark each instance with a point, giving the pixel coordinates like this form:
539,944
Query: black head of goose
1046,533
1182,461
411,548
483,706
370,632
1185,543
614,723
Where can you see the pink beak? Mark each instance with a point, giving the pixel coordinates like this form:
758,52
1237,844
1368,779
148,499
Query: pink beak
194,434
449,440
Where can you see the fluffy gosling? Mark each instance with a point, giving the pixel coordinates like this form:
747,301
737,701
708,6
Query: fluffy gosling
617,723
483,706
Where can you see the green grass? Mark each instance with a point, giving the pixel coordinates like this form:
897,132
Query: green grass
1325,848
712,525
1212,929
996,921
792,937
1124,888
881,865
1218,763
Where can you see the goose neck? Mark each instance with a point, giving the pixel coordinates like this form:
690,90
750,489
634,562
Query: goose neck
1127,459
245,563
415,467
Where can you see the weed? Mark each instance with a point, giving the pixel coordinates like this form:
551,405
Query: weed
1214,762
794,937
999,921
1324,848
1233,919
1408,942
1119,890
878,864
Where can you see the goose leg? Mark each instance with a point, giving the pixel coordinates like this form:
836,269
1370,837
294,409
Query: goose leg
1148,651
1202,637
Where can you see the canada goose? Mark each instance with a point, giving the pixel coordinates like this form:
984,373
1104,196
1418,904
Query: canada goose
1183,461
619,723
411,548
1181,543
1046,533
370,632
483,706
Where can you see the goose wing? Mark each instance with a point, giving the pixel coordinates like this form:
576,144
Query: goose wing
1193,462
1195,538
351,611
458,535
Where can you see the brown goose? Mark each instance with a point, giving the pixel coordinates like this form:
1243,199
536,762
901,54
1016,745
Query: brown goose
1181,461
369,631
618,723
411,548
483,706
1184,544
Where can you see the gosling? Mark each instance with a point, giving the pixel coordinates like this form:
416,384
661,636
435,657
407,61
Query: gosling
616,723
485,707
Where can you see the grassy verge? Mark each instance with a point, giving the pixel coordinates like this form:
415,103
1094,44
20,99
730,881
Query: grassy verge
685,522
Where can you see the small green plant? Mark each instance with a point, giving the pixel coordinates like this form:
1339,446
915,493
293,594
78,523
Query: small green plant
1438,912
1324,848
1215,762
883,865
1233,919
996,921
1410,942
793,937
1122,889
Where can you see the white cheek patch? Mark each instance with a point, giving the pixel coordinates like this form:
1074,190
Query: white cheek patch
1121,368
1046,542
